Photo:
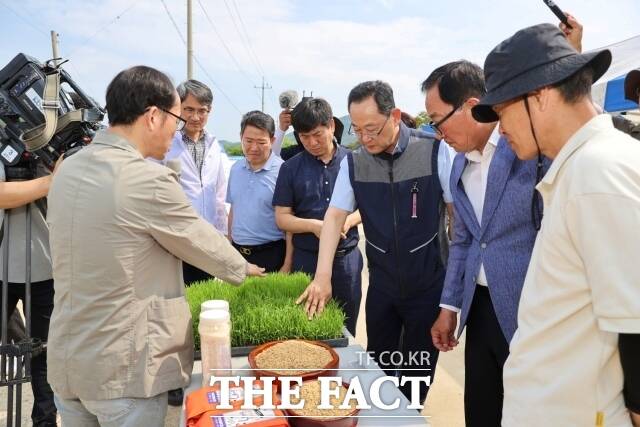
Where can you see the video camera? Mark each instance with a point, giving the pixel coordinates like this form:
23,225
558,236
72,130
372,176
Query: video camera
43,115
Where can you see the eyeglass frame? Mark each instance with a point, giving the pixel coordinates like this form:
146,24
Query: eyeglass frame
181,123
373,135
197,112
436,125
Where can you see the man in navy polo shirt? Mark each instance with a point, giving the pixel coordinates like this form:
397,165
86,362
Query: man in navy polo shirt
252,226
302,196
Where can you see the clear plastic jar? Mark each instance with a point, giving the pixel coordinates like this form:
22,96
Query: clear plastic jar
215,344
214,304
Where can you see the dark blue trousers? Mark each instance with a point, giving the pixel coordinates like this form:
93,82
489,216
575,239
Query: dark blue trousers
398,333
346,280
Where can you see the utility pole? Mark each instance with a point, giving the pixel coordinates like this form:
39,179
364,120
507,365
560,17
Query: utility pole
262,88
189,40
55,47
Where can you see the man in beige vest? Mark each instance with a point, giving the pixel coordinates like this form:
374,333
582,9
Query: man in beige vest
120,333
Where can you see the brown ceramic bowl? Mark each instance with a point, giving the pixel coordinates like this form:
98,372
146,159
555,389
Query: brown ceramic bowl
309,375
296,420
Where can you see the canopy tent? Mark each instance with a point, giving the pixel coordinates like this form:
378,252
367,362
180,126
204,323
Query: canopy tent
609,90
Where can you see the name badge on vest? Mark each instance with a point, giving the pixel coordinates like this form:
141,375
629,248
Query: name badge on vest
414,200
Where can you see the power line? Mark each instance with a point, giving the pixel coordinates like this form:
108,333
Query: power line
206,73
86,41
175,25
233,58
184,41
241,36
244,28
26,20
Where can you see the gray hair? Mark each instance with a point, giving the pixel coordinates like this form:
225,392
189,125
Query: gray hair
198,90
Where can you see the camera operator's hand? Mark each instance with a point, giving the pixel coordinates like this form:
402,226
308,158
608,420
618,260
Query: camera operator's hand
57,165
49,177
14,194
284,119
574,34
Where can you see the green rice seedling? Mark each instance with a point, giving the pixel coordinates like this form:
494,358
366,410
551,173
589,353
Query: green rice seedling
263,309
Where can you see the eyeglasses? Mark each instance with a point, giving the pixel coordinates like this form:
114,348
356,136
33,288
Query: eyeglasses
200,112
436,125
367,133
180,122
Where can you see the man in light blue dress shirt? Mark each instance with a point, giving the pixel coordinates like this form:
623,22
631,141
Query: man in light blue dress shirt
252,181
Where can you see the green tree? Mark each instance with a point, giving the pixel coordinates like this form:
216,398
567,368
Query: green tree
422,119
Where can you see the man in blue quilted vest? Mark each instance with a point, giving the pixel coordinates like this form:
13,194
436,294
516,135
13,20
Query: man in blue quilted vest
398,179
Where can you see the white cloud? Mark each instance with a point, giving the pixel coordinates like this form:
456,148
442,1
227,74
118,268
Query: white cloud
400,42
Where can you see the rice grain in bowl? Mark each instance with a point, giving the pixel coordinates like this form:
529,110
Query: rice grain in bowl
292,358
311,416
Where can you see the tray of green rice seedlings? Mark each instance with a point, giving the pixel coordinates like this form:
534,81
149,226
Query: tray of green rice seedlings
263,309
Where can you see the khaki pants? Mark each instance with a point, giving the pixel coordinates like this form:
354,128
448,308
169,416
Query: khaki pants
124,412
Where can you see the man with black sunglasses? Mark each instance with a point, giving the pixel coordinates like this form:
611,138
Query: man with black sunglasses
494,234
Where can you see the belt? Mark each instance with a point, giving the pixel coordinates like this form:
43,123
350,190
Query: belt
252,249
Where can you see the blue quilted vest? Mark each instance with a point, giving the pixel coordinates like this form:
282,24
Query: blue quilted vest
399,197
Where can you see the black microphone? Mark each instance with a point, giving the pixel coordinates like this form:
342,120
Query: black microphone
558,12
288,99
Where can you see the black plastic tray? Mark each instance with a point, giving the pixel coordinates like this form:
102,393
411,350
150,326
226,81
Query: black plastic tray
343,341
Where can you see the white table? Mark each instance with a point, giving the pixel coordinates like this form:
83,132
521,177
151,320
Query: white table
351,365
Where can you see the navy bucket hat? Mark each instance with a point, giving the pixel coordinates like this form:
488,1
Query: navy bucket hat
532,58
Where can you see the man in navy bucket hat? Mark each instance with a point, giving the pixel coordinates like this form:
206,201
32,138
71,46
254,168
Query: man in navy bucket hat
573,359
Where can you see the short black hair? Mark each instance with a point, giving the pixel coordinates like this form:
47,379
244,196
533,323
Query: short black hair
379,90
134,90
311,113
457,81
259,120
577,86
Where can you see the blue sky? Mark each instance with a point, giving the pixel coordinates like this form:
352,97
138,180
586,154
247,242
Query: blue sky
327,46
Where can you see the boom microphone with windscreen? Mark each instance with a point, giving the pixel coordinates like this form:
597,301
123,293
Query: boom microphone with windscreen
288,99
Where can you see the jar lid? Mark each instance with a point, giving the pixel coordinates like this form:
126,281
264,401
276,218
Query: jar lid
214,304
214,315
